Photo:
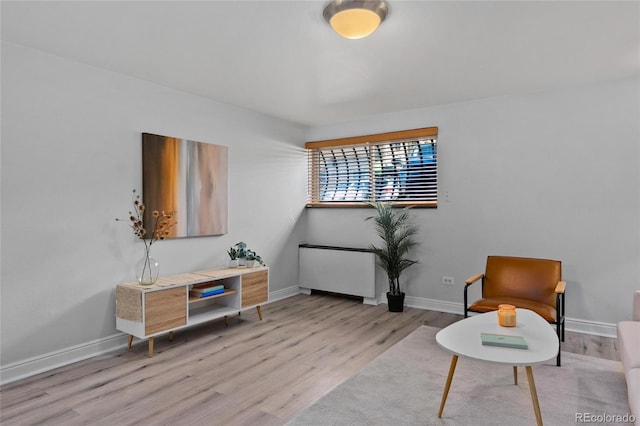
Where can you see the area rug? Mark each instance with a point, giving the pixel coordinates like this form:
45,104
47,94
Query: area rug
404,385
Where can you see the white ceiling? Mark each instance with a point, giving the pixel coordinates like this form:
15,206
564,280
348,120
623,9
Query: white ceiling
282,59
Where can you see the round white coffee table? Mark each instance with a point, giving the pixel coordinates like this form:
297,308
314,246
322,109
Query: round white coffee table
463,339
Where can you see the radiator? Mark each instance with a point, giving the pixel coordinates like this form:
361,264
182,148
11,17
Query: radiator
342,270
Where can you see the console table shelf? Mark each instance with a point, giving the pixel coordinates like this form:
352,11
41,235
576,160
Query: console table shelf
166,306
227,292
199,315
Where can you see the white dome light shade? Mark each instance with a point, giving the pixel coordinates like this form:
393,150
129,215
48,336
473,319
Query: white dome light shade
355,19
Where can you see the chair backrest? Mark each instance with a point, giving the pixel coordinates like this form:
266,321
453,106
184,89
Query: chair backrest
526,278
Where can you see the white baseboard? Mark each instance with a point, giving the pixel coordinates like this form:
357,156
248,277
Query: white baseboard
434,305
284,293
39,364
46,362
36,365
592,327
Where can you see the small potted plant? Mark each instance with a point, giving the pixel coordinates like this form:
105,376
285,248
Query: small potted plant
244,255
233,257
397,232
241,250
252,258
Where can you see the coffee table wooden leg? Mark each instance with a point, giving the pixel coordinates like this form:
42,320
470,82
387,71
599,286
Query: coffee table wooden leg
130,341
534,395
515,375
452,368
150,347
259,309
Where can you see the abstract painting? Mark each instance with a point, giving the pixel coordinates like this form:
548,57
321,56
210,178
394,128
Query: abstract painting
188,178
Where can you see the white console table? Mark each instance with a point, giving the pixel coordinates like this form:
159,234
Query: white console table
166,306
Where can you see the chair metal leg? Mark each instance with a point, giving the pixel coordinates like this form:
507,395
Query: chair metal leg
559,325
558,363
563,317
466,314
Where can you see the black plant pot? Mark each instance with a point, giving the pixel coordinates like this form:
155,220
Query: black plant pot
395,302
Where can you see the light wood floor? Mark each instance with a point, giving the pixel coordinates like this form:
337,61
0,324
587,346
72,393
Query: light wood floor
249,373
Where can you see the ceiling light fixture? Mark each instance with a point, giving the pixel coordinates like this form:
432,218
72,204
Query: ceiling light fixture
355,18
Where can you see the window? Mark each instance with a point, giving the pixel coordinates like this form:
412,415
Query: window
400,167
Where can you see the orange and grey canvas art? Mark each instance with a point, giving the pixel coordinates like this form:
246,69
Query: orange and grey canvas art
188,178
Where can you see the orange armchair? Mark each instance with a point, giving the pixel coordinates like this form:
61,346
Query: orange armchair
528,283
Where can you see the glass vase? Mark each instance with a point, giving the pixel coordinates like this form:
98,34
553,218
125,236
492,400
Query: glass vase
147,270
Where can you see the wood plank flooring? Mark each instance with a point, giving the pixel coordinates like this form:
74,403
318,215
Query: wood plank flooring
249,373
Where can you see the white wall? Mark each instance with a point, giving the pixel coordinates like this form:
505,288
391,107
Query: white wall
554,174
71,154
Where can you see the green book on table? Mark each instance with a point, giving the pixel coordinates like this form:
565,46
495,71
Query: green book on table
504,341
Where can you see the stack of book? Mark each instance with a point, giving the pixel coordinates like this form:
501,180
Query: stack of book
207,290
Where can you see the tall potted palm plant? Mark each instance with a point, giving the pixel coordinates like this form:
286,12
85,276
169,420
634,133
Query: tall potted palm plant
397,232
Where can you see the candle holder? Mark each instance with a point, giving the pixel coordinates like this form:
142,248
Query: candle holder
507,315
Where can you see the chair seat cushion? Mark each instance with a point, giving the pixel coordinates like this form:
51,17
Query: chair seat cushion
491,304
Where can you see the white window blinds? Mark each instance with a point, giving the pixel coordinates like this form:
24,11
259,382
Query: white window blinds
385,167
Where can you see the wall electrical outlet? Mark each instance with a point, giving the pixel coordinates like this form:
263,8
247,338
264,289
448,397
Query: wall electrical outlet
448,281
